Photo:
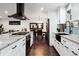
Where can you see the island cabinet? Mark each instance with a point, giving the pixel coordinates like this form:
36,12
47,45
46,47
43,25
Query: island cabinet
70,44
15,49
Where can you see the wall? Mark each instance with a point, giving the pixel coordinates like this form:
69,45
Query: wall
34,16
5,24
56,17
62,15
24,24
53,16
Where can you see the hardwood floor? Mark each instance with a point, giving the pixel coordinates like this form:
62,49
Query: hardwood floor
53,51
41,48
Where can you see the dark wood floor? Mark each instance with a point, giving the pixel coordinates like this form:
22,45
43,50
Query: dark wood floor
41,48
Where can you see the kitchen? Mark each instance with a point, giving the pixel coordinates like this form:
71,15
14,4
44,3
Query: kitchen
27,28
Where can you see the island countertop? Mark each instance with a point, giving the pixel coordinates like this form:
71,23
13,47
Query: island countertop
72,37
7,39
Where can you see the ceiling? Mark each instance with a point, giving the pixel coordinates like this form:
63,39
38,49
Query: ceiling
46,6
29,7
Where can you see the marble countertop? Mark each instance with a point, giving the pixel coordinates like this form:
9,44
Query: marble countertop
72,37
7,39
60,32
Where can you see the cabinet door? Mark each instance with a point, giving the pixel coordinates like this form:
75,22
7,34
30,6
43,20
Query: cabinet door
21,46
16,49
13,51
62,50
74,47
20,50
13,47
65,41
70,45
65,51
6,51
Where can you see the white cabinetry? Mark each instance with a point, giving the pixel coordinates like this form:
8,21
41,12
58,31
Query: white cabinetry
20,49
62,15
68,7
72,46
15,49
62,50
6,51
66,47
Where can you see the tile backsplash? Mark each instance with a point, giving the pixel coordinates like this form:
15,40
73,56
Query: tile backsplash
75,30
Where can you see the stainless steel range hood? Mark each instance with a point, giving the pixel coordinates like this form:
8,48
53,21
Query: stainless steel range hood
19,12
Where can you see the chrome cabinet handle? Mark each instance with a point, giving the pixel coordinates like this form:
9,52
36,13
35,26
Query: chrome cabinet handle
57,42
64,41
24,40
23,44
74,53
66,47
14,47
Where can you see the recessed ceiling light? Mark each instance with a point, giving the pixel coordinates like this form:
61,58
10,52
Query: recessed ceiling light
6,12
42,9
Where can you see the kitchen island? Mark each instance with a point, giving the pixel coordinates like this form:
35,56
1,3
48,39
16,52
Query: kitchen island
9,44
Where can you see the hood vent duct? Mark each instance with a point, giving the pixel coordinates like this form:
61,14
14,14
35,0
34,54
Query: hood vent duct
19,12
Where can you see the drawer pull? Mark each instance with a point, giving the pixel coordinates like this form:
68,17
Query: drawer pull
23,40
14,47
57,42
23,44
66,47
64,41
74,53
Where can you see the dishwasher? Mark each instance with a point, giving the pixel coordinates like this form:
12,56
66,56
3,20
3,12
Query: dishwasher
58,35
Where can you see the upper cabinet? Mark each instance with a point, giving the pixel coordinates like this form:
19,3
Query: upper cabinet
68,7
65,13
62,15
72,11
68,12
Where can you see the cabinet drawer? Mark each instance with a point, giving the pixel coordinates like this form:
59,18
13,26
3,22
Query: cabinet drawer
6,51
73,47
9,49
65,42
62,50
17,48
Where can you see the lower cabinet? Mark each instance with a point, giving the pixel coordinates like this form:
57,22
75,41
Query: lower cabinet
20,49
6,51
16,49
72,46
62,50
